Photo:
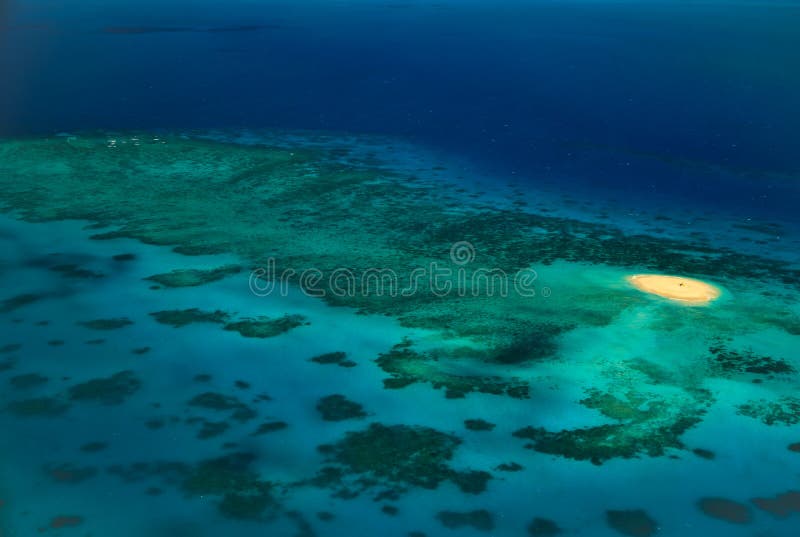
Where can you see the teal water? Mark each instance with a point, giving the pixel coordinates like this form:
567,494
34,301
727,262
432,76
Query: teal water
155,159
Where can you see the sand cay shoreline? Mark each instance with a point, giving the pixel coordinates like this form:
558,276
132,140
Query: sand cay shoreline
686,290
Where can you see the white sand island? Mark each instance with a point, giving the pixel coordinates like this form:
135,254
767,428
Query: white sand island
687,290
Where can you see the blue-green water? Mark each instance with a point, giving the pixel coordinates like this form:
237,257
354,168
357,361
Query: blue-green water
156,159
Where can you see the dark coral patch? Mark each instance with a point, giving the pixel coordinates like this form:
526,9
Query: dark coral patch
784,411
111,390
782,505
746,361
795,447
338,408
265,327
242,494
124,257
193,277
106,324
479,519
724,509
71,270
141,350
635,522
38,406
221,402
478,425
65,521
69,473
180,318
704,453
18,301
94,447
509,467
10,347
27,381
407,366
543,527
270,427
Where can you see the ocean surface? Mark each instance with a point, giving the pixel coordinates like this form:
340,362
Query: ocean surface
355,268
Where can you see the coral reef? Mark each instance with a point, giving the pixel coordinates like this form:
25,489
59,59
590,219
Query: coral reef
635,522
111,390
193,277
337,407
724,509
479,519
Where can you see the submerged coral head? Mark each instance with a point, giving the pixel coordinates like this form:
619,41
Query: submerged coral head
678,288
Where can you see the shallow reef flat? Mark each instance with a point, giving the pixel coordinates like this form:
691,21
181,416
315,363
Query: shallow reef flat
134,348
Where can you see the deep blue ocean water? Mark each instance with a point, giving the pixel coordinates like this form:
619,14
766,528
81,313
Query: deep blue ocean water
671,98
661,117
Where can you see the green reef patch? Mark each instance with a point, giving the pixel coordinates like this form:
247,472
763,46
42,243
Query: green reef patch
240,492
543,527
407,366
180,318
18,301
106,324
783,411
479,519
113,390
27,381
329,213
339,358
38,406
746,361
193,277
633,522
223,403
265,327
393,459
339,408
645,424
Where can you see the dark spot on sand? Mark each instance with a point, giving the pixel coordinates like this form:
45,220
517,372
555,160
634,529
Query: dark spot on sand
124,257
242,385
153,491
56,342
795,447
141,350
325,516
727,510
9,348
95,341
202,377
